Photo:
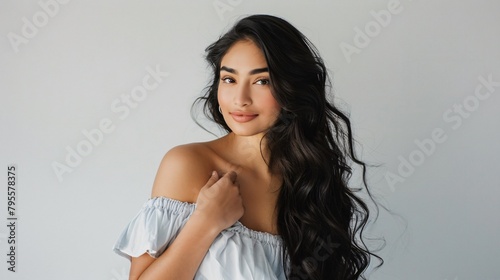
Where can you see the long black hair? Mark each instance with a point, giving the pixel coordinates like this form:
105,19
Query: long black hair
320,218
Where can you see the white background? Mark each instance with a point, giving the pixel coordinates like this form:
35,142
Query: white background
399,86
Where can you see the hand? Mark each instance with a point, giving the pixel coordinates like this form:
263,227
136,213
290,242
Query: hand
219,200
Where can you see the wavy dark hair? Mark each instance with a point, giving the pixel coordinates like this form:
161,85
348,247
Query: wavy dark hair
320,218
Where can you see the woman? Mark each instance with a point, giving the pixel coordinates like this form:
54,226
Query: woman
277,205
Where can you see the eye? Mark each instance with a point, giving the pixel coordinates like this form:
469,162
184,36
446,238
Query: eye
227,80
262,82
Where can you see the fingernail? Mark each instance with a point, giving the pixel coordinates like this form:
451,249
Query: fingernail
214,173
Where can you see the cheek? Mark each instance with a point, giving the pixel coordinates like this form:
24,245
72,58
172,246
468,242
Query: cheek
222,96
271,104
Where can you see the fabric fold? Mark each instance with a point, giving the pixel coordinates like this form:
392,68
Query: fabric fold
153,228
236,253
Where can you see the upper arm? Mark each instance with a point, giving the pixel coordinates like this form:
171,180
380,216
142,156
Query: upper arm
183,171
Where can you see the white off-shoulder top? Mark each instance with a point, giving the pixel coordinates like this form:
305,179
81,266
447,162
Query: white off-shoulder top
236,253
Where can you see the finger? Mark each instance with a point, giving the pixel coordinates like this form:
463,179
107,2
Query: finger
231,175
213,178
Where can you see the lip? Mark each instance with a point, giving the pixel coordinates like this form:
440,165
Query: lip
242,117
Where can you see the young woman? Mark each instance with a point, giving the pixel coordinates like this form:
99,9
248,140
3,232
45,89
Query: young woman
269,200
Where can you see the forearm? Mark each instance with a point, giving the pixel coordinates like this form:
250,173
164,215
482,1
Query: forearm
183,257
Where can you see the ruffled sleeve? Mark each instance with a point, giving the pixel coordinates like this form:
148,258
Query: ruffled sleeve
154,228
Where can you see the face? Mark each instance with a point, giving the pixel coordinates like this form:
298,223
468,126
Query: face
244,93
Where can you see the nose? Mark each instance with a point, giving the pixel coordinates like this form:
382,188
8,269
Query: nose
242,95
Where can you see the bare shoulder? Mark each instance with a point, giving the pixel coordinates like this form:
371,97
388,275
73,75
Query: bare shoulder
183,171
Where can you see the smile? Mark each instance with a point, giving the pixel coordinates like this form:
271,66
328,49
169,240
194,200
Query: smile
242,117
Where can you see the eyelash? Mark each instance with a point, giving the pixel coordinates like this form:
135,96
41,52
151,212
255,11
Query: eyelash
226,78
259,81
263,80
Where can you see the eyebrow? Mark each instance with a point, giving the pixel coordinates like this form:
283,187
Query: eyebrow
252,72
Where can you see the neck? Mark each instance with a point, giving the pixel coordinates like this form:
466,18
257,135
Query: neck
248,151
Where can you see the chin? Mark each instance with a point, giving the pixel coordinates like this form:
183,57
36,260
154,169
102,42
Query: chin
246,131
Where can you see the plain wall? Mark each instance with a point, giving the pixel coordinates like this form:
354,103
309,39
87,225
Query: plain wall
414,87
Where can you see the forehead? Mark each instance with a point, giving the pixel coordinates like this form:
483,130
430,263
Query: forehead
244,54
